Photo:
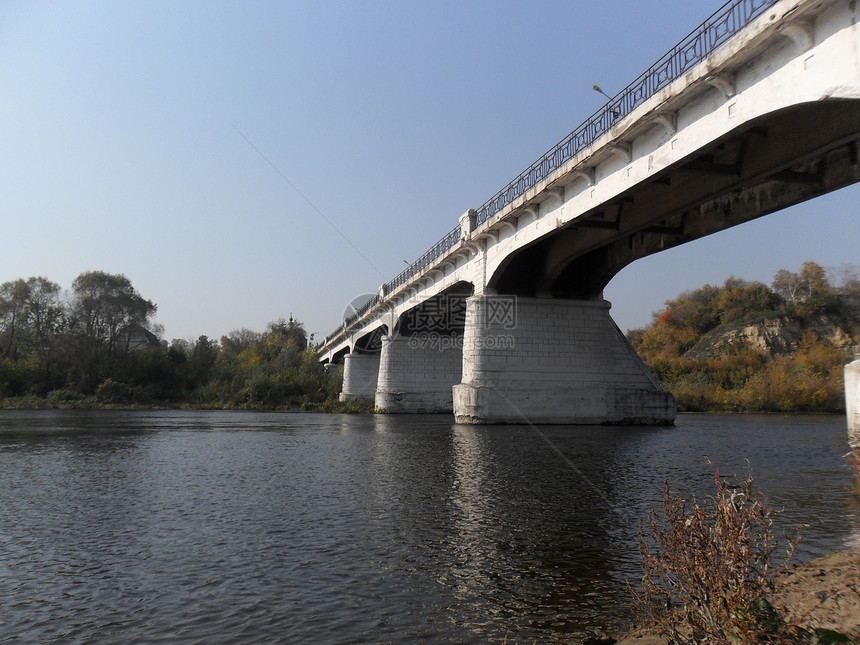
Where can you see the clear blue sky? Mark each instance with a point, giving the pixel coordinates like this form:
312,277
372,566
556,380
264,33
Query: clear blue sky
120,149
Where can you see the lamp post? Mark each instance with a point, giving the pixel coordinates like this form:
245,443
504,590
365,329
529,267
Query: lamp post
615,112
597,88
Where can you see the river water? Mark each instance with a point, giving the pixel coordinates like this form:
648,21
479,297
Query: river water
227,527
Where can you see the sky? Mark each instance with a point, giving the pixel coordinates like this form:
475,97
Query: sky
242,162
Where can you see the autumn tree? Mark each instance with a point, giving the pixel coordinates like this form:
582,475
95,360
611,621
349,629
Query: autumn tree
807,292
846,290
787,284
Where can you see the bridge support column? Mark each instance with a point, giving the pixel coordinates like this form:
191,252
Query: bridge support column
852,402
553,361
360,373
417,372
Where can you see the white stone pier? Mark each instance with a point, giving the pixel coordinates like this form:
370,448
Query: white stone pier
360,373
417,372
558,361
852,402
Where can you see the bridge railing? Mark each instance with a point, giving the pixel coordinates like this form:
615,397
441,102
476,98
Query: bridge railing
435,251
703,41
431,255
722,25
355,315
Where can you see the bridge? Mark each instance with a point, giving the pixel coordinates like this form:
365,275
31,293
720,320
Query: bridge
503,319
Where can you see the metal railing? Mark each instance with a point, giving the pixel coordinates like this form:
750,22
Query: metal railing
355,315
432,254
703,41
449,240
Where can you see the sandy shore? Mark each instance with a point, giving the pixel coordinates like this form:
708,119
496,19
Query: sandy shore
822,593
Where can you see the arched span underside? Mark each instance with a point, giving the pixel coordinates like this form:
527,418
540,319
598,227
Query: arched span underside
337,357
370,343
761,167
444,313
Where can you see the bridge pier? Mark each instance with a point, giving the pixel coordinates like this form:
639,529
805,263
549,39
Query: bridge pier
417,372
852,402
360,373
536,360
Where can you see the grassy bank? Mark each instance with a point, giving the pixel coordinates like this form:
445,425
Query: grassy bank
94,403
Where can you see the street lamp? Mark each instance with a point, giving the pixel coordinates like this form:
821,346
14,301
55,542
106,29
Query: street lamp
597,88
615,112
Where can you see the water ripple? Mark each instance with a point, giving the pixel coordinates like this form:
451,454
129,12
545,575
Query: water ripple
193,527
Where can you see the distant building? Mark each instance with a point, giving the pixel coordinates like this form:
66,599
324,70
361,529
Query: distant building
136,338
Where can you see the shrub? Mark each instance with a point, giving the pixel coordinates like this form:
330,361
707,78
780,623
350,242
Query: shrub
110,391
63,396
708,569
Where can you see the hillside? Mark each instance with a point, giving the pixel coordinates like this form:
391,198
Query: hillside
750,347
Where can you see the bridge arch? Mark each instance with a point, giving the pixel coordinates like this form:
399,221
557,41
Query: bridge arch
442,313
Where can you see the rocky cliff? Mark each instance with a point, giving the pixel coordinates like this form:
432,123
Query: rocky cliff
773,336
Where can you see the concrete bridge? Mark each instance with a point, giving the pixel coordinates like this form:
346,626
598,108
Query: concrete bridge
503,319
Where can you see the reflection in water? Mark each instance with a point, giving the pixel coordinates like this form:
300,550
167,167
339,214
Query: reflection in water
232,527
472,545
530,535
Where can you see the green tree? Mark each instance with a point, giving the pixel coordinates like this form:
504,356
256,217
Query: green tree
104,312
239,340
202,361
31,317
13,305
44,316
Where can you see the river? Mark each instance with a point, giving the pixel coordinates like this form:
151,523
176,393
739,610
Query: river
231,527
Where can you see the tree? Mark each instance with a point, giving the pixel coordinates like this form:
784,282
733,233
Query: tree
239,340
104,309
44,315
788,285
30,316
201,361
816,290
13,303
807,292
846,291
291,333
738,298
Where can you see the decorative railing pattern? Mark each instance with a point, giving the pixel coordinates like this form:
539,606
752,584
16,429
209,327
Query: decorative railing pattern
703,41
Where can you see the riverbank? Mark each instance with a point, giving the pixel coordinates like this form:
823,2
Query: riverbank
824,593
331,406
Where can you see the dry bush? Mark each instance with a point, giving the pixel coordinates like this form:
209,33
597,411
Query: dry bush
708,569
